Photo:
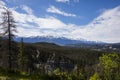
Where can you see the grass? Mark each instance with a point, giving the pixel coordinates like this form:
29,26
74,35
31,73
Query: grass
6,74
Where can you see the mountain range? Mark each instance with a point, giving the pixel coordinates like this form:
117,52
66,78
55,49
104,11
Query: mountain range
81,43
59,40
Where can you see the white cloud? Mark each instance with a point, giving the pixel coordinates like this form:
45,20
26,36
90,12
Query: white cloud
27,9
53,9
2,3
49,22
105,27
67,1
46,22
63,1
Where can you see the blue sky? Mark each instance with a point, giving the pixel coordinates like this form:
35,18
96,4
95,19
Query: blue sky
95,20
85,10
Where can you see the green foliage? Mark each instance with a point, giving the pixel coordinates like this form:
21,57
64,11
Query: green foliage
68,76
57,71
95,77
77,73
109,64
109,61
7,74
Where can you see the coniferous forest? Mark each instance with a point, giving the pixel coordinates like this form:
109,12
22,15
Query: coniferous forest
50,61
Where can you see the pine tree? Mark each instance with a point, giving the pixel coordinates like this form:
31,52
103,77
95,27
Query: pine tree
8,29
22,58
21,53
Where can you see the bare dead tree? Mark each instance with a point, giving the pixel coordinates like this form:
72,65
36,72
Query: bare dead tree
8,28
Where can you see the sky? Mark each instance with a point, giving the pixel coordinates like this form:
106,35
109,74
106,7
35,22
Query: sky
93,20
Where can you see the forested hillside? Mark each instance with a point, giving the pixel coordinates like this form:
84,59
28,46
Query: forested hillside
51,59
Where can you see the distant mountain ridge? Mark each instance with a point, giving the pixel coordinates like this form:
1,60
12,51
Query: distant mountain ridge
51,39
62,41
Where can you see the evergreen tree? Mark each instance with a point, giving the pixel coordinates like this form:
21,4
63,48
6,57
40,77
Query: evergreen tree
22,58
20,54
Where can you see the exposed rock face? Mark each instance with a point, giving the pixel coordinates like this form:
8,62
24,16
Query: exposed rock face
52,62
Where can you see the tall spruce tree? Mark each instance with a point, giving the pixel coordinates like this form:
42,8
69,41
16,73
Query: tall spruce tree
21,54
8,29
